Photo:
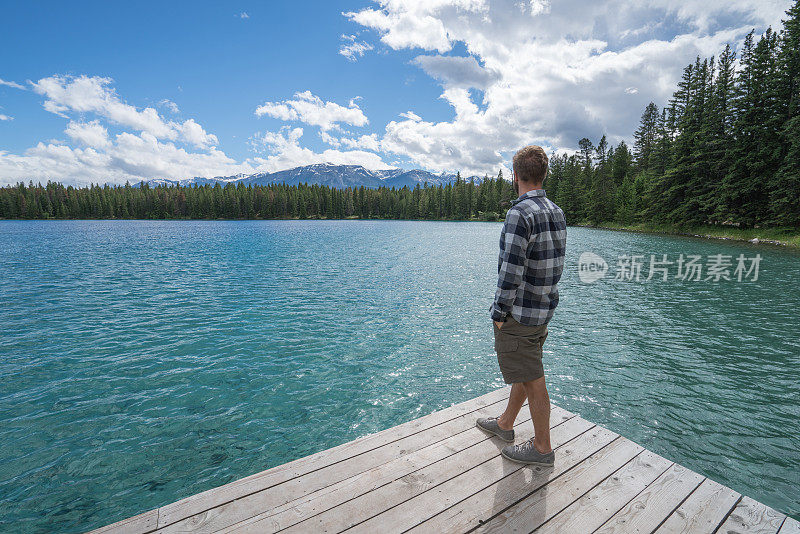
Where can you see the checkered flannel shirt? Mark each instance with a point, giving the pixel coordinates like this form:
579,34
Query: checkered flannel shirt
532,246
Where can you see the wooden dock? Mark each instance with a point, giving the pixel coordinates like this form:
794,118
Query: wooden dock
440,473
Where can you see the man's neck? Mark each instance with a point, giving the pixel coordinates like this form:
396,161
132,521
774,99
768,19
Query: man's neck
524,187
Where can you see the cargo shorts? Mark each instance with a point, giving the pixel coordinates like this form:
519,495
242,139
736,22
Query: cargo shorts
519,350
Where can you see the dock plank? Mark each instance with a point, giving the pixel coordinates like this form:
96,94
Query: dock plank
138,524
790,526
535,508
436,499
594,508
394,497
752,517
704,510
655,503
196,504
317,502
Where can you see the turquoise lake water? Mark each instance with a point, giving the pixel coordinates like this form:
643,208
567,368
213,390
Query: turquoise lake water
142,361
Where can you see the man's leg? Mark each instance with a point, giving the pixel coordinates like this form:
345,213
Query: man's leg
515,401
539,404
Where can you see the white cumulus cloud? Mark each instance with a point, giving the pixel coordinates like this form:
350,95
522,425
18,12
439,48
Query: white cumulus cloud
128,157
95,95
196,135
283,151
312,110
92,134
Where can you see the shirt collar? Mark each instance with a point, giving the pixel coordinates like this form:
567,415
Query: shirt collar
530,194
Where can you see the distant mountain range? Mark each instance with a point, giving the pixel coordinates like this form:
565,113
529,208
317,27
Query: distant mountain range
329,174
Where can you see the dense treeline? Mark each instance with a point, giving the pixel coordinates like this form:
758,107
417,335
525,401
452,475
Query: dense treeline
725,150
460,200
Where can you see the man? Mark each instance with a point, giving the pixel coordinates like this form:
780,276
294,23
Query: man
531,259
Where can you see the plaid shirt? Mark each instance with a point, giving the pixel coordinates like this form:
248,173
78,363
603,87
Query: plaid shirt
531,259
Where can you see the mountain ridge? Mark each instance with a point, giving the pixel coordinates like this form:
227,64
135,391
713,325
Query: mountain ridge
329,174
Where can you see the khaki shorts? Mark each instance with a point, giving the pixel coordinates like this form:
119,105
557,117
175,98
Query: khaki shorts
519,350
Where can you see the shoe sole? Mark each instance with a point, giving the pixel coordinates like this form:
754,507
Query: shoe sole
541,464
492,432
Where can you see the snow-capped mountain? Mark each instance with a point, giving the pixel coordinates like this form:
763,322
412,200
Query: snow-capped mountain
338,176
329,174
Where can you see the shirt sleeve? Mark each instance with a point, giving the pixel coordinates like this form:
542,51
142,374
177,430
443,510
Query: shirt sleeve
511,264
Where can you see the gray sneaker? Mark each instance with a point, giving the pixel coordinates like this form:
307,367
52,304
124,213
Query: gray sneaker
526,453
489,424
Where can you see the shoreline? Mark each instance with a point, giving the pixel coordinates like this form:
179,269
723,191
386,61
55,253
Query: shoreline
771,236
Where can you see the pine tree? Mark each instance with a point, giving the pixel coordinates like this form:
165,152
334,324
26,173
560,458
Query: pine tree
672,184
601,199
719,126
621,163
645,136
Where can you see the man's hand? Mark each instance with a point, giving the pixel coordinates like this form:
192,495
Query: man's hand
499,324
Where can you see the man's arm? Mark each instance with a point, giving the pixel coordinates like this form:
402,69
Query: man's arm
512,263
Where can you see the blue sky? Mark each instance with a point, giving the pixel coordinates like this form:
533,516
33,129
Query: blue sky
112,92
